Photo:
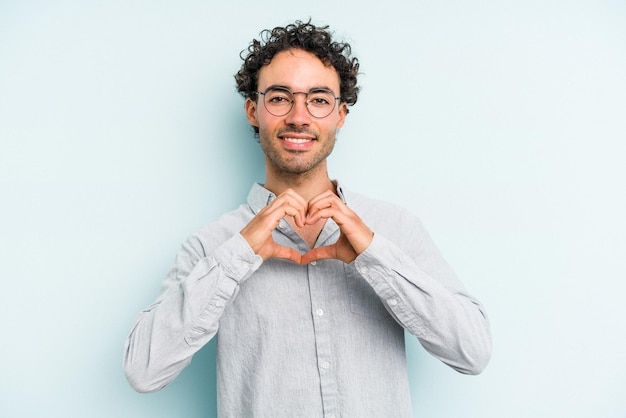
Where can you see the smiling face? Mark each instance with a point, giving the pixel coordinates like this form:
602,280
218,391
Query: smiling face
296,143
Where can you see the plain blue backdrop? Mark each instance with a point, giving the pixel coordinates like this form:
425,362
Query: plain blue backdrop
500,123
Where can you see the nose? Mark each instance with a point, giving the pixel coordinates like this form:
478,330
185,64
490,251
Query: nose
299,114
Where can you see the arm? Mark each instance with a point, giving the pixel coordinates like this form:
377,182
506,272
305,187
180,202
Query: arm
185,316
196,291
425,297
413,281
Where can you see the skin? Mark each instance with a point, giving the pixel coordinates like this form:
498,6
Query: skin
296,148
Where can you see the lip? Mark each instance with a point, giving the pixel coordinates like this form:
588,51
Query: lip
297,141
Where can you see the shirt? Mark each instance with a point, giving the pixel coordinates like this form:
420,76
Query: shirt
319,340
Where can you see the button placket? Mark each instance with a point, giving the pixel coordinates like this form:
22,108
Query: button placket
323,341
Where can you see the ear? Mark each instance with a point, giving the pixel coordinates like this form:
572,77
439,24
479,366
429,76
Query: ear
343,112
251,112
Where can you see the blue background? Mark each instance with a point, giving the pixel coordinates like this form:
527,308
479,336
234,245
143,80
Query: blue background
500,123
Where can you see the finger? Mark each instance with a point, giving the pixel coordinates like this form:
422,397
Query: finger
274,212
326,213
289,211
289,203
324,200
292,194
325,208
322,196
287,253
260,228
319,253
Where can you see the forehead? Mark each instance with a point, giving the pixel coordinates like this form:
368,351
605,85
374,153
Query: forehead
299,71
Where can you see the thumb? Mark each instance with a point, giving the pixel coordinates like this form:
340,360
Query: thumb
319,253
287,254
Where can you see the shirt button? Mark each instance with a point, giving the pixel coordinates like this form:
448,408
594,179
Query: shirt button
313,263
325,365
363,269
219,303
320,312
393,302
282,224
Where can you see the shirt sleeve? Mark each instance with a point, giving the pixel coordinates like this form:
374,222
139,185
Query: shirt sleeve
423,294
186,314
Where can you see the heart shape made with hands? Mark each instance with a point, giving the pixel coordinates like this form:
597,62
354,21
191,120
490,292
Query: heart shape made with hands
341,250
353,239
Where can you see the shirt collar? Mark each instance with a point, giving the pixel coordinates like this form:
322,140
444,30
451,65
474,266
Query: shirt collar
259,196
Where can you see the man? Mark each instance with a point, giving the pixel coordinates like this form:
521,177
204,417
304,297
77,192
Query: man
308,286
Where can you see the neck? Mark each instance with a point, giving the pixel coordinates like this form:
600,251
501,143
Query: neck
308,185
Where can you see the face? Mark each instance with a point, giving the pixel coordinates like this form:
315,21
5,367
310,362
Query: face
296,143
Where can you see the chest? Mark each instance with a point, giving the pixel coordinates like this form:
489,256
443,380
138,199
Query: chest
309,233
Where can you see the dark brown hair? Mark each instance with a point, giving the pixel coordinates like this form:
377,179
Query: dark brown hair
305,36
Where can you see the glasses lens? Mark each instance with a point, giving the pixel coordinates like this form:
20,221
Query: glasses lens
320,103
278,101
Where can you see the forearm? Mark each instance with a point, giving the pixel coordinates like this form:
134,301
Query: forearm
430,303
186,315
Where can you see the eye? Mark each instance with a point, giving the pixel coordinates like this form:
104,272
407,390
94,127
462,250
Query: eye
319,101
278,97
320,98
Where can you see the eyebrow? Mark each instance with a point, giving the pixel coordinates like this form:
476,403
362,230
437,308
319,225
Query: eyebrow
316,88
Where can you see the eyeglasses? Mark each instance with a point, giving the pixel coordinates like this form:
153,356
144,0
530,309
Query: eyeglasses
279,101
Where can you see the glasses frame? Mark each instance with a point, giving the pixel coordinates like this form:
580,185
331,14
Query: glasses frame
293,101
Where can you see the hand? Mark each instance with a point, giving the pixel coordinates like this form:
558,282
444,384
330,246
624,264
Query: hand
354,236
258,233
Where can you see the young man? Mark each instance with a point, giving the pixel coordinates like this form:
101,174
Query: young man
308,286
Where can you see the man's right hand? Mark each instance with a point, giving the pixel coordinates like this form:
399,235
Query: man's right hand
258,233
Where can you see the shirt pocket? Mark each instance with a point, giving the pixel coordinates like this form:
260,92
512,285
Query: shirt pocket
363,300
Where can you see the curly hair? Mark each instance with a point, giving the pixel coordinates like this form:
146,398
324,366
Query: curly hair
305,36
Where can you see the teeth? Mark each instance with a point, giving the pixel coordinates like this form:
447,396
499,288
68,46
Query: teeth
296,140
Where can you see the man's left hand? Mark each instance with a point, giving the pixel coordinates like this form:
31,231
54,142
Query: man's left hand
354,237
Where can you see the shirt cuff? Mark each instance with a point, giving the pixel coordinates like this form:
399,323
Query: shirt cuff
237,258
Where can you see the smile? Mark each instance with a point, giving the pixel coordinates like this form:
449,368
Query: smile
296,140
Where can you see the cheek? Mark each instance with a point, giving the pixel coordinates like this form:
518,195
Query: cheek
265,121
332,124
265,129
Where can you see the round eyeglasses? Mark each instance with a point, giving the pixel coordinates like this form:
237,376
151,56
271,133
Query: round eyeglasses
279,101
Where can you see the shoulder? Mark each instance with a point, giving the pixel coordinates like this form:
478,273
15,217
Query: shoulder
397,224
379,210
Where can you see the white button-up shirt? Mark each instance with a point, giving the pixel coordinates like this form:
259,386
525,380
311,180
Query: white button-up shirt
319,340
